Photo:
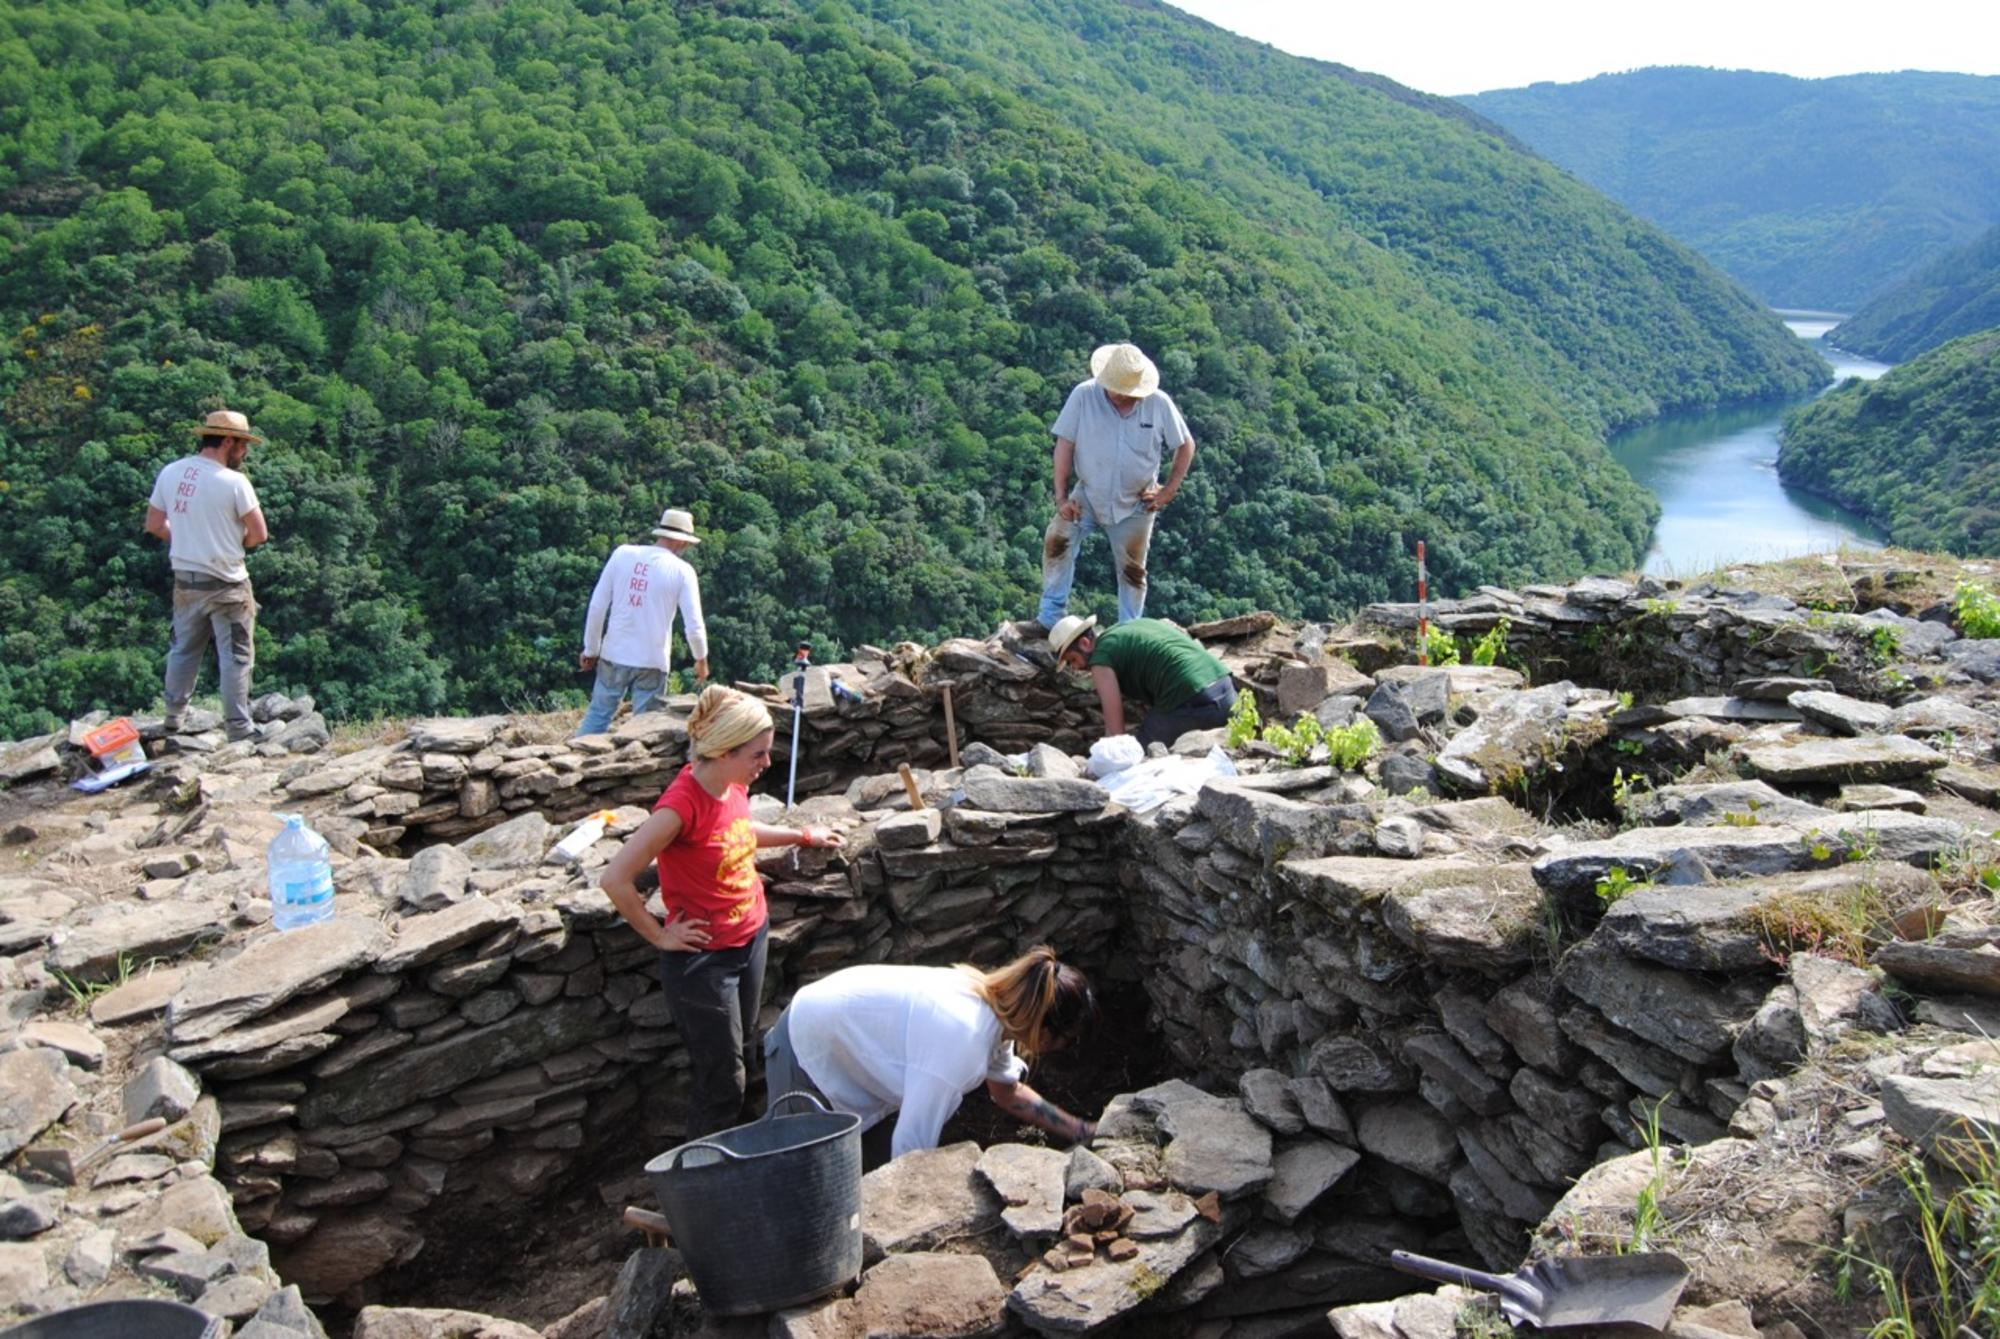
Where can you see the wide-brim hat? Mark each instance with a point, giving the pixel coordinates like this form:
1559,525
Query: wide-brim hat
676,524
1067,630
1123,370
227,423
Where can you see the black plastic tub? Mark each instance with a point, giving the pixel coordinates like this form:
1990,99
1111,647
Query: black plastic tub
125,1318
766,1215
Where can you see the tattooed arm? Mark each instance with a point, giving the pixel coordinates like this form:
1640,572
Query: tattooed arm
1025,1104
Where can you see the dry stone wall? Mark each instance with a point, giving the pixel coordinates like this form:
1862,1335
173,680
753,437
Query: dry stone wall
1404,1010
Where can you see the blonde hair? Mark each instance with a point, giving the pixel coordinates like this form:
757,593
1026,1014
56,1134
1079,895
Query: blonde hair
725,719
1039,999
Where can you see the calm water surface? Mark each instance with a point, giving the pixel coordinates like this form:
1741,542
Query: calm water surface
1715,473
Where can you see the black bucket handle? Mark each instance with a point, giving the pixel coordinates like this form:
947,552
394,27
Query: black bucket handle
704,1145
819,1108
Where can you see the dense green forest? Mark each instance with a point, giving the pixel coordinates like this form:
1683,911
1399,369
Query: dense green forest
1813,192
1917,452
500,280
1956,294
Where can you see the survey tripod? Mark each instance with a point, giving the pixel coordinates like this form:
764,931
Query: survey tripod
801,662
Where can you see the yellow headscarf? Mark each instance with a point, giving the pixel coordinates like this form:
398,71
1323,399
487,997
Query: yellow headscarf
725,719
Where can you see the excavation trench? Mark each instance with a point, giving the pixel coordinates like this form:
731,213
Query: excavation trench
462,1122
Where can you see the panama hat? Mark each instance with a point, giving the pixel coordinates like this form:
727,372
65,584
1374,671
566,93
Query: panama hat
1123,370
676,524
1067,630
227,423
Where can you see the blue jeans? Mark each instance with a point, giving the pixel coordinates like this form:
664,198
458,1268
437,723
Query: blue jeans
1130,538
613,682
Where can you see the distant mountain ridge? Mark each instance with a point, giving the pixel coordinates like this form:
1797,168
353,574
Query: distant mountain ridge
1956,294
1811,192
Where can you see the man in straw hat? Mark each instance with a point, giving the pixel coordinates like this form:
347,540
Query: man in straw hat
1184,687
629,630
207,512
1109,439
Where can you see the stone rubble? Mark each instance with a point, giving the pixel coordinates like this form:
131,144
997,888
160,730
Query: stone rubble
1405,1010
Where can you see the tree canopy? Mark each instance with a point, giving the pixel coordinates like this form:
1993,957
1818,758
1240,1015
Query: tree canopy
1956,294
502,280
1916,452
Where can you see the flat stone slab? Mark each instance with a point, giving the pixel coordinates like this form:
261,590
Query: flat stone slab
1944,1117
1703,854
1827,761
1302,1173
1518,734
1682,1013
1723,803
1482,918
1459,679
521,841
1085,1298
990,788
1937,715
275,968
1966,961
456,734
1718,927
411,1322
931,1296
1409,1134
922,1198
1747,709
26,759
1029,1181
1842,714
428,937
35,1091
1868,795
1214,1144
1349,883
135,934
1270,826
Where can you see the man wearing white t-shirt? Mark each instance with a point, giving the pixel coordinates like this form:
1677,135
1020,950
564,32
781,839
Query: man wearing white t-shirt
630,626
207,512
1111,435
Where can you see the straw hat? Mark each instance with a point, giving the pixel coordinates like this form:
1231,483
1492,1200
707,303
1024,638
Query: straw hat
1123,370
1067,630
676,524
227,423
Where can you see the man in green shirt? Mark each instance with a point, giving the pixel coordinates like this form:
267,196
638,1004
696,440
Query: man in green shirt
1184,686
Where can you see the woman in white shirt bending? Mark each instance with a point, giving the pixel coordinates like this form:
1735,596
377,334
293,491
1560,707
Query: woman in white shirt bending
915,1040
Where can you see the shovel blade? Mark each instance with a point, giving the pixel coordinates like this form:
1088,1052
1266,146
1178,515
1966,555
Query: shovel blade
1606,1289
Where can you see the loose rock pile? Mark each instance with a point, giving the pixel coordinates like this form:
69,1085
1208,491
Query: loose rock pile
1414,1013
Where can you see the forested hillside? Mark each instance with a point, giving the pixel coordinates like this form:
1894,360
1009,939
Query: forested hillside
1813,192
500,281
1917,452
1956,294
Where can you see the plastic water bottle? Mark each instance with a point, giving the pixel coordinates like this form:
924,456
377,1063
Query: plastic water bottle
301,876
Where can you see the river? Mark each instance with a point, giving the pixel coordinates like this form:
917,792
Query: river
1715,473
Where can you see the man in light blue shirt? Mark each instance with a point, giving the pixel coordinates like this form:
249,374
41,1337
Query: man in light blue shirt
1110,436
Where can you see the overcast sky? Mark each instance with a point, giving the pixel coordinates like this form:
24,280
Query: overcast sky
1471,46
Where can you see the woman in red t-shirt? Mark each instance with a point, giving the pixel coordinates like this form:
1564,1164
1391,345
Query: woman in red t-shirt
713,944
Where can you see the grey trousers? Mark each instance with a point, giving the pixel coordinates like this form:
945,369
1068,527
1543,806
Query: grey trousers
713,995
210,610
